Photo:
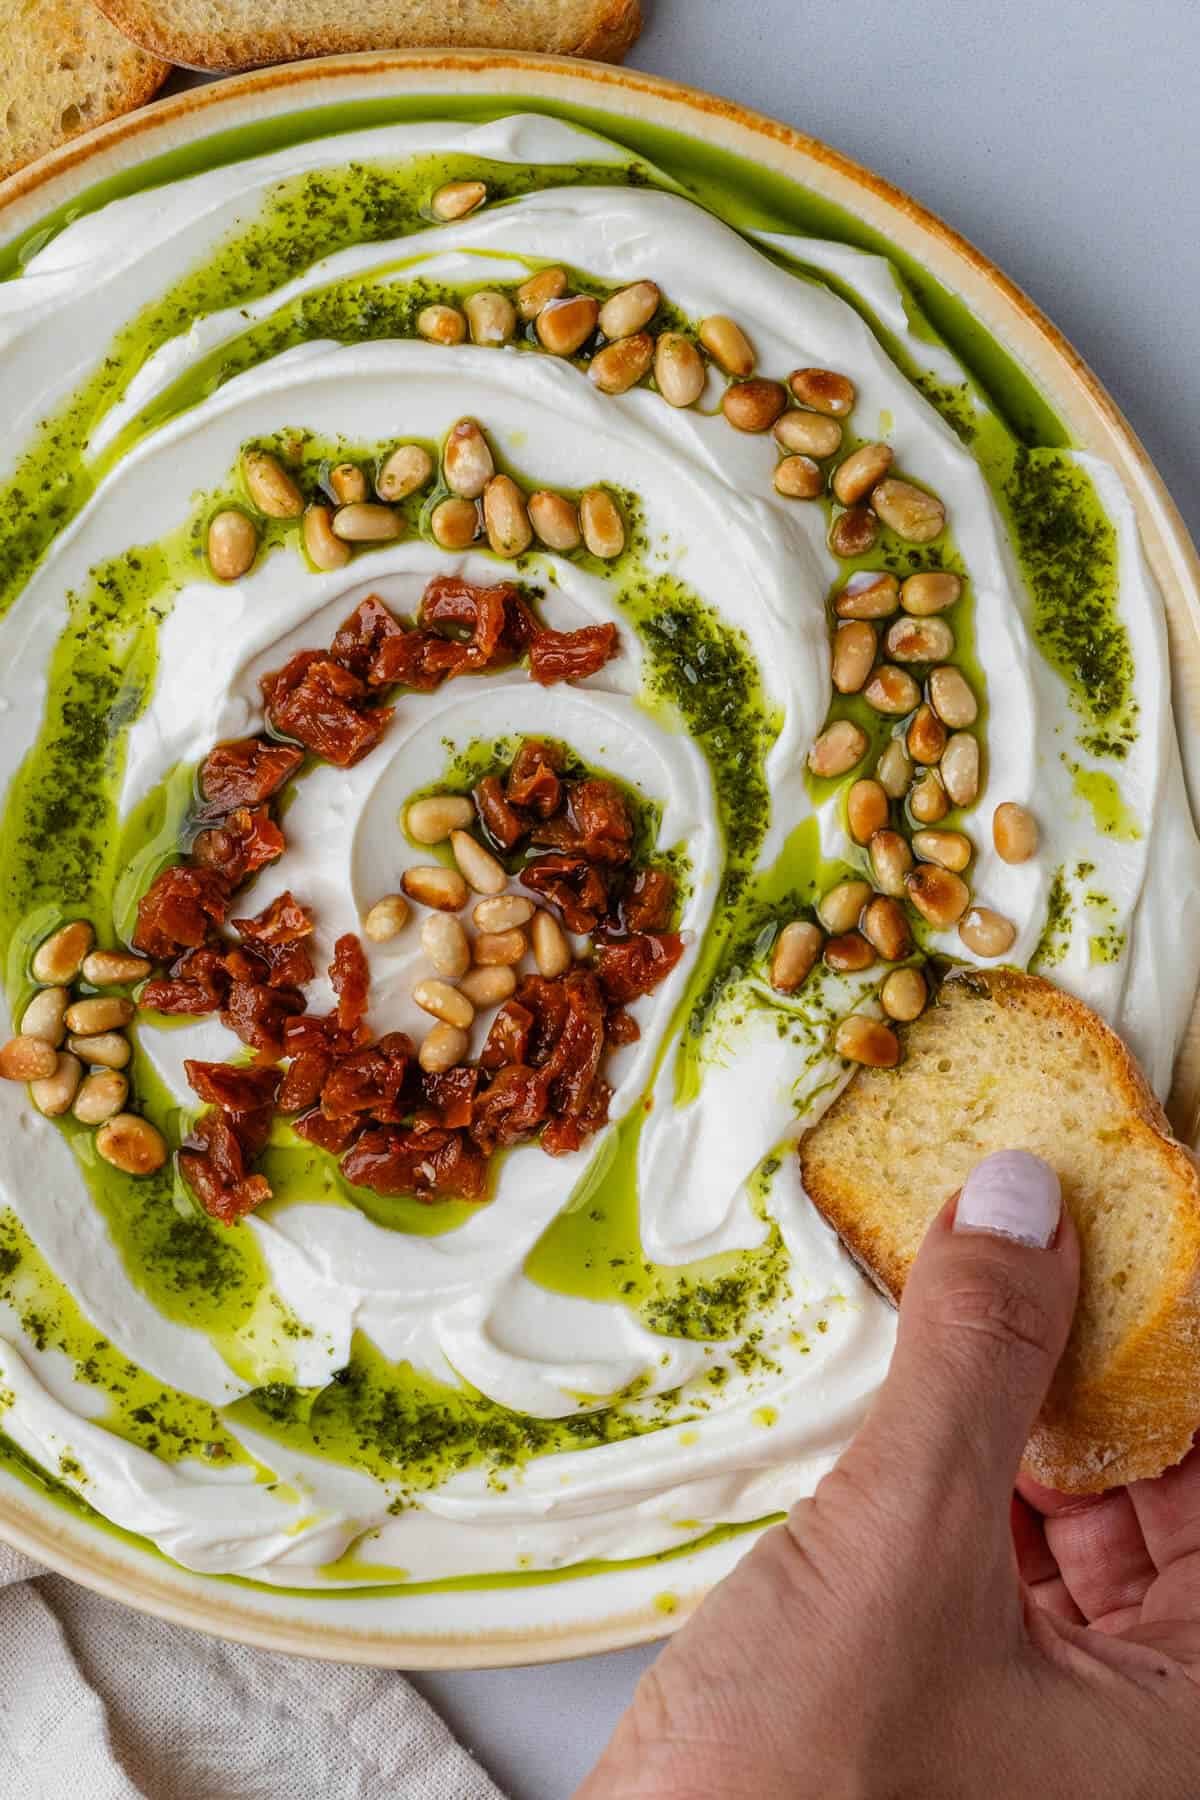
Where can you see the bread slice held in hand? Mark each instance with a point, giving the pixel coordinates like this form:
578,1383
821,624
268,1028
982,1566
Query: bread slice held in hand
241,34
1008,1062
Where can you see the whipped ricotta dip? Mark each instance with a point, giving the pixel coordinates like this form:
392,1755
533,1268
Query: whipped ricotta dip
626,1348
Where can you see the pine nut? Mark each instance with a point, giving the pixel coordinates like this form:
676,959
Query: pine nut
838,748
466,460
868,595
866,810
841,908
823,390
271,487
1014,833
386,919
960,769
926,738
932,591
849,954
455,524
107,1049
86,1017
853,532
455,199
444,1002
909,511
52,1094
491,317
479,866
891,861
867,1041
808,433
367,522
949,849
853,655
131,1144
940,896
488,987
431,821
539,290
628,311
927,801
951,697
620,366
232,544
564,326
727,344
903,995
27,1058
500,948
919,640
894,769
408,468
602,524
442,324
504,517
798,478
445,944
555,520
435,886
100,1095
987,933
348,484
886,929
678,369
795,953
325,550
892,691
753,405
551,951
503,913
60,957
854,478
44,1017
114,968
444,1048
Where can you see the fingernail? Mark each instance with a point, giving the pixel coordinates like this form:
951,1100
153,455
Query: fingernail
1012,1194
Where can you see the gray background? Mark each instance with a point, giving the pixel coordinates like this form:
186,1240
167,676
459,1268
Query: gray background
1059,136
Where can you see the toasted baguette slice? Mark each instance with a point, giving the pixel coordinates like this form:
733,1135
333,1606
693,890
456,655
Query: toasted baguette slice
1006,1061
240,34
63,69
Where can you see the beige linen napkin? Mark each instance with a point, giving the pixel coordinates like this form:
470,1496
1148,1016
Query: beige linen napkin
98,1702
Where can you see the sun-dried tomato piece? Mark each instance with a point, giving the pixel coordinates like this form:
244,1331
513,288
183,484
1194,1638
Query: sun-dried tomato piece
179,911
451,1094
430,1165
320,1032
483,627
570,655
330,1134
196,983
246,772
511,1107
508,1037
303,1080
360,638
232,1086
319,703
545,999
504,826
563,1135
534,778
276,936
638,964
212,1162
570,883
409,660
597,810
370,1080
351,980
647,901
520,628
242,843
621,1028
258,1014
574,1062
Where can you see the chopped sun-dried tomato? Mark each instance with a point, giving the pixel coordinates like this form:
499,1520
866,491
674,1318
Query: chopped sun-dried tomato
212,1161
331,1134
370,1080
647,901
504,826
179,911
533,779
574,1062
545,999
570,883
242,843
196,983
512,1106
233,1087
303,1080
276,937
245,773
476,616
597,810
351,981
362,636
508,1037
412,659
322,705
258,1014
621,1027
570,655
560,1136
451,1095
431,1165
637,964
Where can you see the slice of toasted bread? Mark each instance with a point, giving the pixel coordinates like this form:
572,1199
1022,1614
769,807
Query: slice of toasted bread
1006,1061
241,34
64,68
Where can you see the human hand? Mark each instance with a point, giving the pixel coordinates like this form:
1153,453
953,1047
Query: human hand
914,1628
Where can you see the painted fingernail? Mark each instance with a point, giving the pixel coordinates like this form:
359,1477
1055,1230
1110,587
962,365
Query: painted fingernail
1012,1194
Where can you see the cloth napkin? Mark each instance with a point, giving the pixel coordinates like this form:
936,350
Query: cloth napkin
98,1702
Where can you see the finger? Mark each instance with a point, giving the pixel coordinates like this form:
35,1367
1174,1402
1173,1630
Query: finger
1098,1544
1043,1585
1168,1511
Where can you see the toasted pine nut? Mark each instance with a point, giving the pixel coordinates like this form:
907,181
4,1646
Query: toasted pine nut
386,919
565,325
504,517
348,484
867,1041
866,810
951,697
838,748
431,821
490,986
798,478
367,522
894,769
441,324
823,390
445,944
919,640
987,933
808,433
60,957
107,1049
620,366
442,1049
753,405
628,311
841,908
932,591
479,866
849,954
853,532
435,886
939,895
44,1017
466,460
271,487
232,544
539,290
910,512
100,1095
949,849
795,953
131,1144
86,1017
551,951
853,655
455,199
926,738
324,548
491,316
444,1002
892,691
903,995
885,928
114,968
27,1058
727,344
678,369
52,1094
603,527
960,769
1014,833
500,948
891,860
503,913
455,523
854,478
870,594
927,801
408,468
555,520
